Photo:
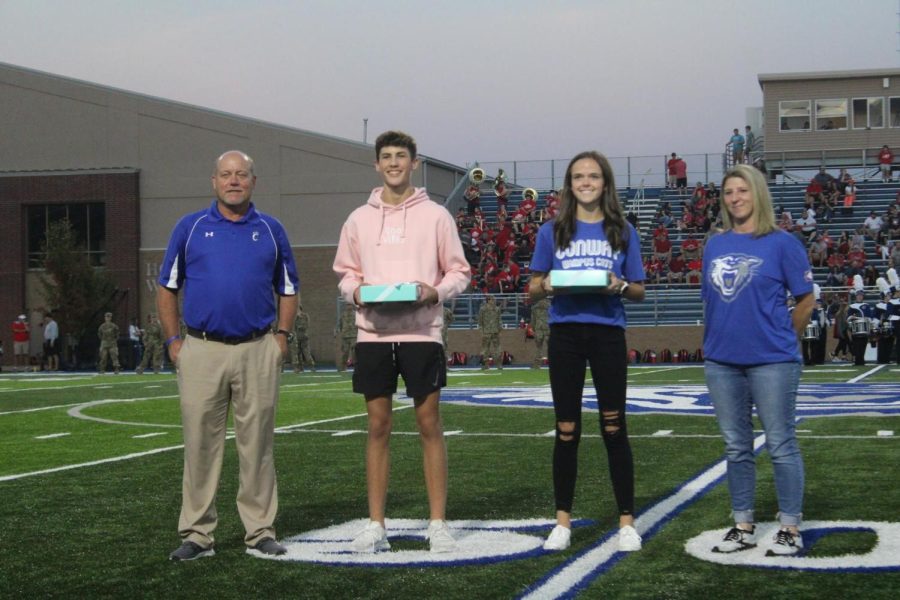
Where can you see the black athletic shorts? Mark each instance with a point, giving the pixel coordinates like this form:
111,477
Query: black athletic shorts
422,365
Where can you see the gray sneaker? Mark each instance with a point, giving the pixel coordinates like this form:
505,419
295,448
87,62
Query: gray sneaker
191,551
786,544
736,540
268,547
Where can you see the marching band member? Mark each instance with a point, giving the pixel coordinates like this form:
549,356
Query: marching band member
860,316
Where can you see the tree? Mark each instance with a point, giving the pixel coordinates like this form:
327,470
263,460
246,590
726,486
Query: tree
77,292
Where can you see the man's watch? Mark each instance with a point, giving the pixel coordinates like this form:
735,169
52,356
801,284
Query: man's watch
288,335
622,288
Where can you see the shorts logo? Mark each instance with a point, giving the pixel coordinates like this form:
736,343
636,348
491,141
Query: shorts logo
731,273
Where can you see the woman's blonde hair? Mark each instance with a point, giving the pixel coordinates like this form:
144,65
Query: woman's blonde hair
763,213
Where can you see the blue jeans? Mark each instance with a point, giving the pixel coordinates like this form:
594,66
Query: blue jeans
772,388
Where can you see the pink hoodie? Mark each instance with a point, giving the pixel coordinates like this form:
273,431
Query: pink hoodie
416,240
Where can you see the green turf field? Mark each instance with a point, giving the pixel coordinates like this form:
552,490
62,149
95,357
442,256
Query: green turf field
90,480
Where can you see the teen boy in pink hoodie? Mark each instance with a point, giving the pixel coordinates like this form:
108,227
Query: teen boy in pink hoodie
399,236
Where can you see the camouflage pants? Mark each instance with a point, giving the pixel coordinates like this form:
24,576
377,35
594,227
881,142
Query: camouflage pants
300,349
153,351
108,351
540,346
490,346
348,352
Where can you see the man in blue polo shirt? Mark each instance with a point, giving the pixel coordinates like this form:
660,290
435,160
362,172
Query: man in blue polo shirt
228,260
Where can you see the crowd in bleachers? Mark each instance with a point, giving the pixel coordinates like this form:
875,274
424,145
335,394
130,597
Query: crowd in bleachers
499,242
499,237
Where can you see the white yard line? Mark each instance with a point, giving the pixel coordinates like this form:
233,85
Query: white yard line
859,378
159,450
580,570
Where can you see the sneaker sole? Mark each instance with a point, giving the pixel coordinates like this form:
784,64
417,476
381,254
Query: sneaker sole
204,554
260,554
771,553
384,547
717,550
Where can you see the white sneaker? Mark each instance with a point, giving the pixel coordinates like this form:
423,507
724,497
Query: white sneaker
786,544
559,539
736,540
439,538
629,539
371,539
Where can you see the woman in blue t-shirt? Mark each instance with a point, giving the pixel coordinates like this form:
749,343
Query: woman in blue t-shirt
752,352
590,232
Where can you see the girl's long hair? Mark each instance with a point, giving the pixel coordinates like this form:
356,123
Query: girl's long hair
614,224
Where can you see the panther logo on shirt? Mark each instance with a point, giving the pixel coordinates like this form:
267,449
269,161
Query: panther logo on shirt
730,274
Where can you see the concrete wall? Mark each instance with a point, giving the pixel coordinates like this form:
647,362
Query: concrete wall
51,124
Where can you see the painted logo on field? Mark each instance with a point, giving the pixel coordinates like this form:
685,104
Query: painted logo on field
884,555
478,542
812,399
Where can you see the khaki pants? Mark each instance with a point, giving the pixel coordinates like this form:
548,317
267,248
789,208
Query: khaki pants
212,376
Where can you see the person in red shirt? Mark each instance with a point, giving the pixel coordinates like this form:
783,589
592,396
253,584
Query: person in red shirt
836,260
528,203
552,208
676,269
671,181
681,175
857,259
885,157
813,193
695,268
662,248
21,339
473,198
515,272
690,248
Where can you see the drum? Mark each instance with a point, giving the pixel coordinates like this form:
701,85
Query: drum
887,327
811,333
860,327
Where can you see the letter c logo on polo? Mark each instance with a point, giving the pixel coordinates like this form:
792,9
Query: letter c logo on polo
255,236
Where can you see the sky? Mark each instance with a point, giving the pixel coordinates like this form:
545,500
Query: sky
487,80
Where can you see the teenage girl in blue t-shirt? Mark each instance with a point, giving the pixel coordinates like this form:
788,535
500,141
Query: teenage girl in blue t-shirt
590,233
752,352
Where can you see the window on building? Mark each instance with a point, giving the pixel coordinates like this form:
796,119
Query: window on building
88,222
894,111
831,114
868,113
794,115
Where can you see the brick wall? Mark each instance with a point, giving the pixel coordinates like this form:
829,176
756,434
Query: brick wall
119,191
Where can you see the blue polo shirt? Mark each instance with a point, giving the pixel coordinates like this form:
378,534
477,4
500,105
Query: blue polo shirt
589,249
229,270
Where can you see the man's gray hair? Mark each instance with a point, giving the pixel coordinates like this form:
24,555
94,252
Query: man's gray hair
243,155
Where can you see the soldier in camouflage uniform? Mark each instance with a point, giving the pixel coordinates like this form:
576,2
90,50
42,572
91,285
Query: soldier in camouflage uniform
153,346
541,326
448,319
300,354
489,323
348,331
108,333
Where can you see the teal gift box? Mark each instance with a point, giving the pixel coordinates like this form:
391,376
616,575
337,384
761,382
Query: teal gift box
584,280
395,292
